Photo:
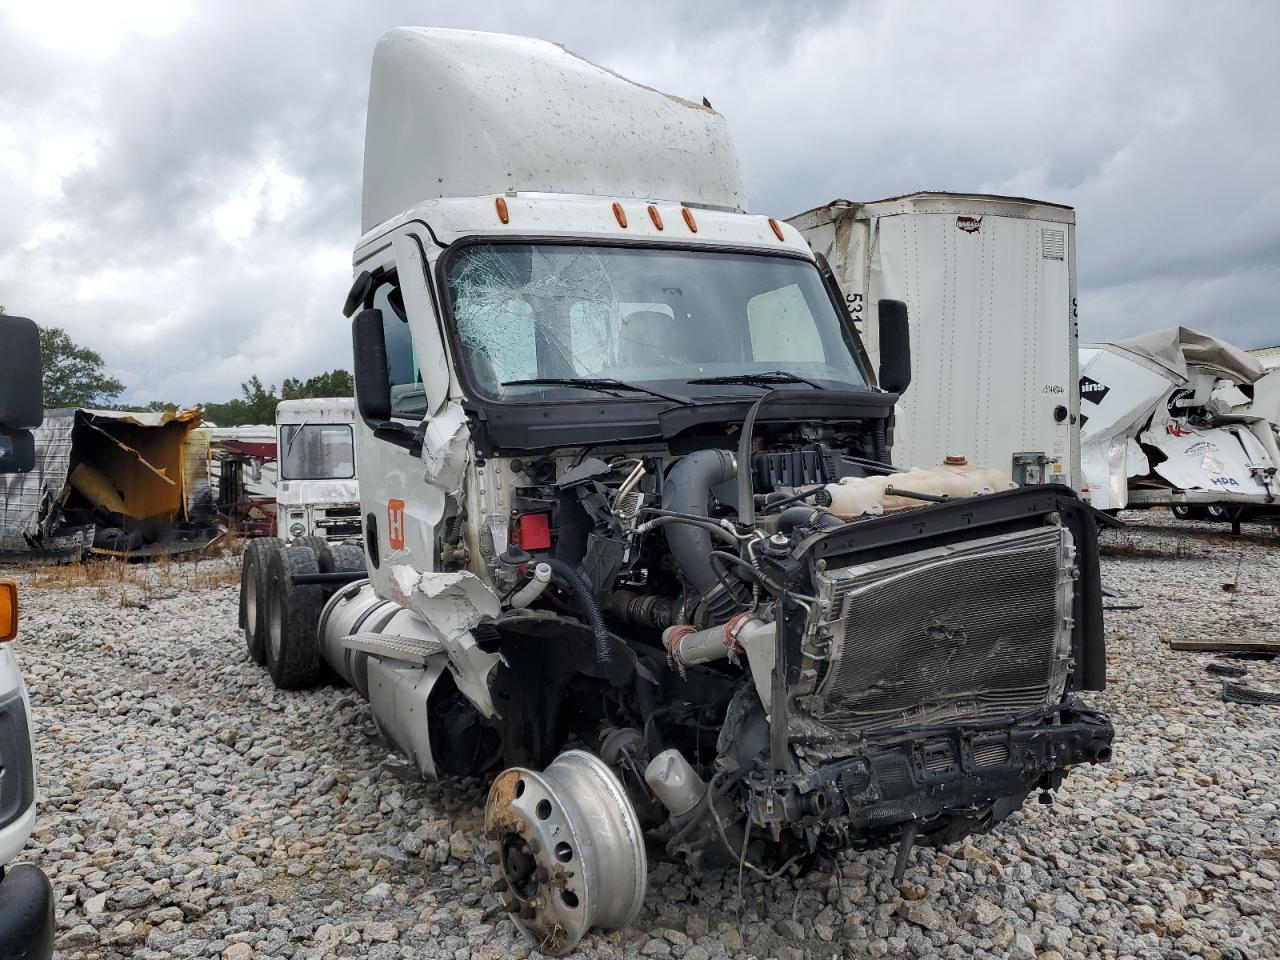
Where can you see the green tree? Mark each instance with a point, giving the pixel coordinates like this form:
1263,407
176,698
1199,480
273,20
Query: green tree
73,375
257,404
335,383
257,401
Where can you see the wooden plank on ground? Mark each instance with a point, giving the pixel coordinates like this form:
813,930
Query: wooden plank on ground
1227,645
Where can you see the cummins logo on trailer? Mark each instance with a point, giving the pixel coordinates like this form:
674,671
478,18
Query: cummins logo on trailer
969,224
1092,390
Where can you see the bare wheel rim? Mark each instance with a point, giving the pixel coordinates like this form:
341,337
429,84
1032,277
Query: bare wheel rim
251,603
275,618
567,844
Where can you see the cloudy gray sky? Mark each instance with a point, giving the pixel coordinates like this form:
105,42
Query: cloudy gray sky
180,182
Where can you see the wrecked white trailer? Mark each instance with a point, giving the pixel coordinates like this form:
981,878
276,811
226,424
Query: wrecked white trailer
111,482
1165,421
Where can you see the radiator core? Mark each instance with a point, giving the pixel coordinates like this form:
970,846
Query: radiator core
973,631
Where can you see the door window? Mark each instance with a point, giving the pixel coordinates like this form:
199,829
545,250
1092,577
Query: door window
408,398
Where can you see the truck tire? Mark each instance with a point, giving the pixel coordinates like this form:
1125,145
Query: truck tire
292,615
253,580
1189,511
347,558
320,547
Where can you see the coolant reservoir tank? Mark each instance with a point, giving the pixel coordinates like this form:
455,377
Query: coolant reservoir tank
860,496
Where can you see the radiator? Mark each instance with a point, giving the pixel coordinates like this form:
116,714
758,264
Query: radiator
974,631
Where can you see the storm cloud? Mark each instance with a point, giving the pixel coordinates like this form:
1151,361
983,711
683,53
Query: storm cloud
180,183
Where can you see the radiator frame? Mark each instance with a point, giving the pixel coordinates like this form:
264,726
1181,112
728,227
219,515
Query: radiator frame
961,519
842,589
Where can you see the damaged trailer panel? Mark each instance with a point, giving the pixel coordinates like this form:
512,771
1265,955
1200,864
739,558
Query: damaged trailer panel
114,483
1165,421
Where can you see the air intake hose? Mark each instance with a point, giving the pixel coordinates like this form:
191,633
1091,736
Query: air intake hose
802,517
576,583
688,490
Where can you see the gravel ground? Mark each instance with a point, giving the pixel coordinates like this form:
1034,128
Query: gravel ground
191,810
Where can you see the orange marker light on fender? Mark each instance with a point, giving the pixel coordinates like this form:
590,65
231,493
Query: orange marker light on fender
620,214
501,204
655,216
8,610
691,223
777,228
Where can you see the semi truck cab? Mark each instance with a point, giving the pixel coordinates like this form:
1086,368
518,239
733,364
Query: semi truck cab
317,494
634,541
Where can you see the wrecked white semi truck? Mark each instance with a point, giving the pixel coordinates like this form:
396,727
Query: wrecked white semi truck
630,524
1166,422
990,284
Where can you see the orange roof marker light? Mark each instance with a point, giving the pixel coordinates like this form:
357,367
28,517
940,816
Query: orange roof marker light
8,610
501,204
777,229
688,219
655,216
620,214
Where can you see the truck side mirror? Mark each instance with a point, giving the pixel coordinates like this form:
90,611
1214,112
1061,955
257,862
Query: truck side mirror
21,393
373,381
895,347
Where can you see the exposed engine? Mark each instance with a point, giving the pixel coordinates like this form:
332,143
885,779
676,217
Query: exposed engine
744,657
772,656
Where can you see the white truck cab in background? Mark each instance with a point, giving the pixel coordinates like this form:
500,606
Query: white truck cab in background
26,896
990,286
317,494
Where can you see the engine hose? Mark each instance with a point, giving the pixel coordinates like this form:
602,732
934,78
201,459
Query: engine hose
576,583
796,518
688,491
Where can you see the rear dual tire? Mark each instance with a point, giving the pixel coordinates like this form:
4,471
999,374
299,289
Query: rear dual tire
279,617
292,615
253,595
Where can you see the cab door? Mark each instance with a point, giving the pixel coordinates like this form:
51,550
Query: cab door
402,510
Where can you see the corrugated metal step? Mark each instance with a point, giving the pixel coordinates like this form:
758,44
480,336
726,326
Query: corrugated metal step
411,649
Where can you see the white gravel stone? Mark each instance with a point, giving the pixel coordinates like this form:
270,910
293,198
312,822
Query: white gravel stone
189,809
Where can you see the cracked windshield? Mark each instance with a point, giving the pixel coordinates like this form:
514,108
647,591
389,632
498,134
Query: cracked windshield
658,317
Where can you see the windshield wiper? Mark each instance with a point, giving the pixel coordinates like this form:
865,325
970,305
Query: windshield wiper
603,384
758,379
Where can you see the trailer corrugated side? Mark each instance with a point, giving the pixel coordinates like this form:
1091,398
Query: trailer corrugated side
990,286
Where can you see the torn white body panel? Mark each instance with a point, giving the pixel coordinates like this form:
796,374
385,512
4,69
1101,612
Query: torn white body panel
446,450
449,606
1266,391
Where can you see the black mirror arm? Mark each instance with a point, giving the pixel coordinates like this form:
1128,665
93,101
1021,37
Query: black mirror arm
393,431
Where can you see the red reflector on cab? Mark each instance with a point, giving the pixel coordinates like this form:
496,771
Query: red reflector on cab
501,205
533,531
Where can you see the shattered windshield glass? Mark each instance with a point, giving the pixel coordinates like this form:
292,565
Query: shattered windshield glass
655,316
316,451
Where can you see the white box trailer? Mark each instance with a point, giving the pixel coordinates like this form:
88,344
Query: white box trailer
990,287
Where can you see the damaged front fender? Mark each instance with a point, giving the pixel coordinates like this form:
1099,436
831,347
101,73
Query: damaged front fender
452,605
